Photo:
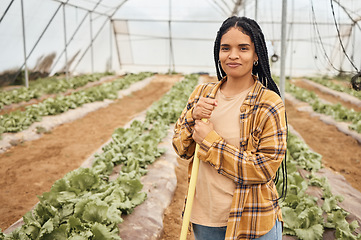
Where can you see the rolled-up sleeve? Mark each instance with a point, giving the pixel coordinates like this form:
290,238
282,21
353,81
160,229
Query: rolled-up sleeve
260,160
183,143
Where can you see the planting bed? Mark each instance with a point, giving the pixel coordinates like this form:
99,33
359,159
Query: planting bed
31,167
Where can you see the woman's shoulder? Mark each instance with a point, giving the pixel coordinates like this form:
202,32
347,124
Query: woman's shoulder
204,88
270,97
208,84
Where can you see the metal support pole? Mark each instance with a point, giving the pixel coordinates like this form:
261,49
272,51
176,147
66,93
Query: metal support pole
24,46
117,45
256,10
283,49
171,55
110,67
353,42
290,32
244,7
91,43
65,45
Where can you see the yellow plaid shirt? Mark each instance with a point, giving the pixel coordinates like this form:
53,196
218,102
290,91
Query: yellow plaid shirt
253,167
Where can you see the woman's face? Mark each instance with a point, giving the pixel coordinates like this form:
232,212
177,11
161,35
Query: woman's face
237,53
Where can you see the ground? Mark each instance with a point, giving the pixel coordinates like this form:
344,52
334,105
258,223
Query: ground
29,169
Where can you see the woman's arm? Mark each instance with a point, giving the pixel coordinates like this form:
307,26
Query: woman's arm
183,143
260,162
197,108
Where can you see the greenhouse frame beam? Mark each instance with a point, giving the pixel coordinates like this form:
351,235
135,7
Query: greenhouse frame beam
36,43
82,8
283,49
65,45
225,4
256,10
355,22
117,8
24,46
220,7
220,21
71,39
116,44
111,23
211,39
236,7
171,54
91,43
93,38
110,46
216,7
6,10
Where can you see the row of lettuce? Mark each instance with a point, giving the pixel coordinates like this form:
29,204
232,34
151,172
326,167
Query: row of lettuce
303,217
86,204
340,87
20,120
50,85
337,111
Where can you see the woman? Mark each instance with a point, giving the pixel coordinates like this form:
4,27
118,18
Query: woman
242,142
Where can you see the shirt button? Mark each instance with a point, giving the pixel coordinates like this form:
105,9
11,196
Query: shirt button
243,143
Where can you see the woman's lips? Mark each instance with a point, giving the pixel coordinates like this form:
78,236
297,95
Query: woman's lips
233,65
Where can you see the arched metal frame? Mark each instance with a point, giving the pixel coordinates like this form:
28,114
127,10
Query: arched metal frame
62,5
223,7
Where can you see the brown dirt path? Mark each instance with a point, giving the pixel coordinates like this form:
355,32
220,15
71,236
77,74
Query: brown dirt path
172,221
29,169
340,153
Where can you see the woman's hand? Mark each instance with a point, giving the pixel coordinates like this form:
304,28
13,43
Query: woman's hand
204,108
201,130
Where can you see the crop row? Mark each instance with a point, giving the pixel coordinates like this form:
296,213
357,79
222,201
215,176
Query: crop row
302,216
85,204
20,120
50,85
337,87
337,111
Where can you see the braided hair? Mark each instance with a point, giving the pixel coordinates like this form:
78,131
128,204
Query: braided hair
262,69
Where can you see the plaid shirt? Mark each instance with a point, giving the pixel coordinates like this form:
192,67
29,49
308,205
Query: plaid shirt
253,167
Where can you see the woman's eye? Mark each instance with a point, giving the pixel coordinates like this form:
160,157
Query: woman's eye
224,48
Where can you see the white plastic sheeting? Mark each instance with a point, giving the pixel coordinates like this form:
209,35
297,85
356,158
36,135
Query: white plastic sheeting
166,35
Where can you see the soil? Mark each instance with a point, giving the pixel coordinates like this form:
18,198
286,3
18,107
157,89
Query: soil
31,168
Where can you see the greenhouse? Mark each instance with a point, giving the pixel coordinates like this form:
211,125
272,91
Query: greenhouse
99,109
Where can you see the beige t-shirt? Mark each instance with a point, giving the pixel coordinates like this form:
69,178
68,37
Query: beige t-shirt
214,192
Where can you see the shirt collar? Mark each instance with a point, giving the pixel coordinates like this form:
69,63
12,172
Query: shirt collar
251,96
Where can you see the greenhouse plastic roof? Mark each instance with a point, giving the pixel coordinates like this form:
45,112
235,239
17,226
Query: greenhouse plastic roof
141,35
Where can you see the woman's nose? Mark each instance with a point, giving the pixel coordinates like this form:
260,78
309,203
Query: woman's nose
233,55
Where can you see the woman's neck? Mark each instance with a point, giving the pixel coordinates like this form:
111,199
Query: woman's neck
234,86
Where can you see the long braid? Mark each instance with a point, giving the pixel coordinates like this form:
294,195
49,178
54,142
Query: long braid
262,70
